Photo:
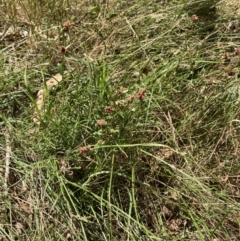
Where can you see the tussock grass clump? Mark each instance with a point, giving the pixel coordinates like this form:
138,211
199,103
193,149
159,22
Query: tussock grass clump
140,138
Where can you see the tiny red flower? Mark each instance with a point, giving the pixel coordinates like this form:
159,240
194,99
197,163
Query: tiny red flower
140,94
194,18
231,73
109,109
85,149
101,122
63,49
67,25
237,51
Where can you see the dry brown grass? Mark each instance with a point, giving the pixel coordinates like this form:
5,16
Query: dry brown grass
230,8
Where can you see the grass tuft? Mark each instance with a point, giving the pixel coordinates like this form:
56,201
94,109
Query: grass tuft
140,138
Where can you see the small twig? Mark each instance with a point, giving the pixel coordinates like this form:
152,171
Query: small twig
134,33
7,159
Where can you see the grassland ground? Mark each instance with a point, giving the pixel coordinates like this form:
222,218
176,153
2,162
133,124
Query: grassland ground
137,134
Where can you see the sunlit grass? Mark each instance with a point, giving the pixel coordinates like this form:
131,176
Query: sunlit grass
139,141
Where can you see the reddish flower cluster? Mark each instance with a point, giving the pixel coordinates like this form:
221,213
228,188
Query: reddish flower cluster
140,94
194,18
101,122
85,149
66,26
237,51
231,73
109,109
63,49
